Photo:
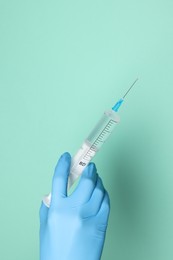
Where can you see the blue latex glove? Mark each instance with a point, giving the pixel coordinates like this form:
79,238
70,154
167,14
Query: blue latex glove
74,226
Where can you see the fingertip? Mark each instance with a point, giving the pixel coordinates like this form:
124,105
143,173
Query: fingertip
65,156
92,165
64,160
90,171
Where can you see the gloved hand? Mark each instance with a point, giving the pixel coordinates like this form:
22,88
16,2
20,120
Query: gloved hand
74,226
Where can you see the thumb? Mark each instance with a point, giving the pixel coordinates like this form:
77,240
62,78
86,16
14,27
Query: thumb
60,178
43,213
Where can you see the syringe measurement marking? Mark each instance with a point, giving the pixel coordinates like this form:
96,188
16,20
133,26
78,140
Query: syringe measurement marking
99,139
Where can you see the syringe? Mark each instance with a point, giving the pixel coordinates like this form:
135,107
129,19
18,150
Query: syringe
93,143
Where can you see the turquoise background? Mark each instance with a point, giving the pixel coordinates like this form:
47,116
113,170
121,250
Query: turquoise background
62,63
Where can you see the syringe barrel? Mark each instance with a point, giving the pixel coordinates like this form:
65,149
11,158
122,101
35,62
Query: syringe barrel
106,123
90,147
94,141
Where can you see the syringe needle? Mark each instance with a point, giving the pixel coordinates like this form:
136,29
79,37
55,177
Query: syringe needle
130,88
119,103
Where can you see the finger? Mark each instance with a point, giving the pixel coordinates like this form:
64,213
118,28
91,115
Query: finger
60,178
103,214
92,207
43,213
97,197
86,185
